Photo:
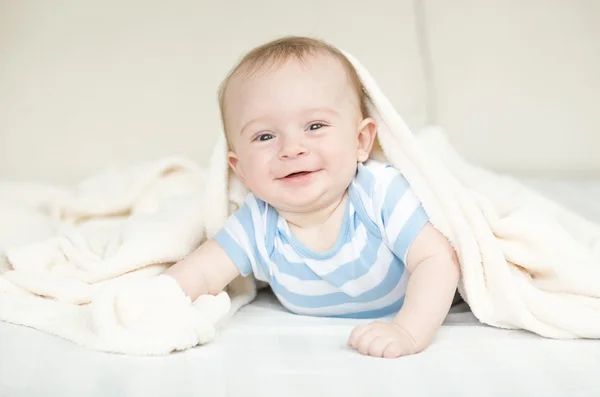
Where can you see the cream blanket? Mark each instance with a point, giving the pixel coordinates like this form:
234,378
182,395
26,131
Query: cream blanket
81,262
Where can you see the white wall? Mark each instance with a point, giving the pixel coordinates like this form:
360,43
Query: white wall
516,83
86,83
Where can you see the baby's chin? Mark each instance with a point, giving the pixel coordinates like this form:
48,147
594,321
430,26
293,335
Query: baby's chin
303,198
295,206
301,203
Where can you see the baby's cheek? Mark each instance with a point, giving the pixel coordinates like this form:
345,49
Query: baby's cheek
257,164
259,172
341,154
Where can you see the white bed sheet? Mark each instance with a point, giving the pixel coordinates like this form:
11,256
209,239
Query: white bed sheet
266,351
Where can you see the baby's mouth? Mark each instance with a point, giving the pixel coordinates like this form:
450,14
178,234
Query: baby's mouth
297,174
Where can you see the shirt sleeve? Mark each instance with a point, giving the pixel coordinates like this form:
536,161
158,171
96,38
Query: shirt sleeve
238,238
401,214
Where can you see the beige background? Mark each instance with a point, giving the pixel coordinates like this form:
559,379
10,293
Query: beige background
87,84
517,83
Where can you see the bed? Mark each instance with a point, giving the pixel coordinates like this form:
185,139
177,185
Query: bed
267,351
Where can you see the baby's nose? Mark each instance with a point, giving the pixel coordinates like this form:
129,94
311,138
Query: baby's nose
291,151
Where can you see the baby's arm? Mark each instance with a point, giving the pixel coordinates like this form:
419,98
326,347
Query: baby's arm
435,272
207,270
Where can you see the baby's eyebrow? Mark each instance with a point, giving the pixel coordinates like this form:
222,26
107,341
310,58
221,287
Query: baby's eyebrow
328,110
250,122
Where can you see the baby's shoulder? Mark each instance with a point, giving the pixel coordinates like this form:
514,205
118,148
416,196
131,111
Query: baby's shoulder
379,185
376,167
375,176
250,210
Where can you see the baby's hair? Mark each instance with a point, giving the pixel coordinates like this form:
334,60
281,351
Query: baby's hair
281,50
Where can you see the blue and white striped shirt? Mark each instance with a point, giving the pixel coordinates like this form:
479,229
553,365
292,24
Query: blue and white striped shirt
362,276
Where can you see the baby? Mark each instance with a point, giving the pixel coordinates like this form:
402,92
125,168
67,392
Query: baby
333,232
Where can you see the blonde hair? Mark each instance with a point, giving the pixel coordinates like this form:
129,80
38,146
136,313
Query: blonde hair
283,49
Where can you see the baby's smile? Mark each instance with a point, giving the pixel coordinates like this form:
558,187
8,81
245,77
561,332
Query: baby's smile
299,178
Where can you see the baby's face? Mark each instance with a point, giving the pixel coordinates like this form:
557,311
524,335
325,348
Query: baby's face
294,130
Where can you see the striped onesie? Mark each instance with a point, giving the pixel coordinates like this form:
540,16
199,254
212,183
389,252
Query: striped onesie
362,276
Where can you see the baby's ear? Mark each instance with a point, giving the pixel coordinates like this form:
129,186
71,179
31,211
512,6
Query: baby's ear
234,164
367,131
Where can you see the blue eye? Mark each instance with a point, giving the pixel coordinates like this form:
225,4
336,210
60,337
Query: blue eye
264,137
315,126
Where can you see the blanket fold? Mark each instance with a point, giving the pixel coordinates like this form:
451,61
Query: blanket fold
527,262
72,259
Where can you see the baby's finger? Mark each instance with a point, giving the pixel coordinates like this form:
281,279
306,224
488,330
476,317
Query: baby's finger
365,341
378,346
394,350
357,333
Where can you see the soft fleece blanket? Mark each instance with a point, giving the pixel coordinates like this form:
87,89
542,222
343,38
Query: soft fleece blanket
82,262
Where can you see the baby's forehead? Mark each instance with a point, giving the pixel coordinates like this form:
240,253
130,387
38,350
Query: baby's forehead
323,69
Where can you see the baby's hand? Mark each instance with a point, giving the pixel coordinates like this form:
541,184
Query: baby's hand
382,339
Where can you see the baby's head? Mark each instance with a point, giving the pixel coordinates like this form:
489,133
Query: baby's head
296,121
